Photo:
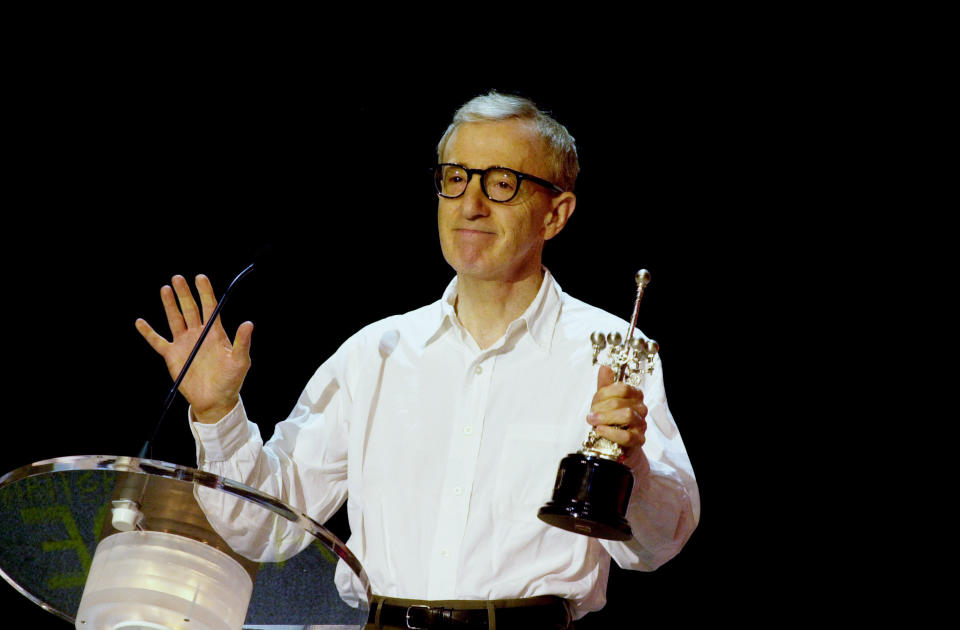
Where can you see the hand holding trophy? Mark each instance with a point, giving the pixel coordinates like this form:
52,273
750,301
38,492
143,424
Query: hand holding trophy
593,487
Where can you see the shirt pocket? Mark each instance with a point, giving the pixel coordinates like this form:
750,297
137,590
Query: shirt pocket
529,461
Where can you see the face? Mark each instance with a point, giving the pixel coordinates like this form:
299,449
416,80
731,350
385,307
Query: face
486,240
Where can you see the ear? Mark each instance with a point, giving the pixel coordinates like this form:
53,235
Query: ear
561,208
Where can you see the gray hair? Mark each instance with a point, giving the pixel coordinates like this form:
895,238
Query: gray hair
494,107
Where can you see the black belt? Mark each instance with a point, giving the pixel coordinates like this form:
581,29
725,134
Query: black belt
548,613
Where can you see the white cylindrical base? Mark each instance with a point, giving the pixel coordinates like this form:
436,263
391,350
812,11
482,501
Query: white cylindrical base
159,581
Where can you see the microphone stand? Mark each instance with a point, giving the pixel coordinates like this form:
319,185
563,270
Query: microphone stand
148,445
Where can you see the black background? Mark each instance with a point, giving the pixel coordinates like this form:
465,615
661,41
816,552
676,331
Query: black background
127,171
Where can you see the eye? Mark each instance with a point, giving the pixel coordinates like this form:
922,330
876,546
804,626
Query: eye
453,175
504,181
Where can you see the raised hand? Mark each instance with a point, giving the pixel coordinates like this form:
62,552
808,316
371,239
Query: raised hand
212,383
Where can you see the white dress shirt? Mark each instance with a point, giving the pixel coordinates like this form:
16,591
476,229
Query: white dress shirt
444,453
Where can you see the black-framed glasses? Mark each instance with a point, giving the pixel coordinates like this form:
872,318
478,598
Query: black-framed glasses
498,183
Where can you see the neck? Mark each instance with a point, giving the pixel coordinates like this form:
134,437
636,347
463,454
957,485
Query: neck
486,307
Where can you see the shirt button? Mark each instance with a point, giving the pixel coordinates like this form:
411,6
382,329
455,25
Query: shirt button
458,491
443,553
468,430
478,369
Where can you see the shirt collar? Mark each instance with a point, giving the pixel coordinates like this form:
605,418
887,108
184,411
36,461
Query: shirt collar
540,317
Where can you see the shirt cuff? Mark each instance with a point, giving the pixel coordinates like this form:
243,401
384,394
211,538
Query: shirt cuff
217,442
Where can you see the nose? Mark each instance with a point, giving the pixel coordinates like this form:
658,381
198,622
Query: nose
473,203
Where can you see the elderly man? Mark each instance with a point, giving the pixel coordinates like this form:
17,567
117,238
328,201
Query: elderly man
442,428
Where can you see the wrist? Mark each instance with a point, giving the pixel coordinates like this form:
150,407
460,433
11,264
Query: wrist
212,415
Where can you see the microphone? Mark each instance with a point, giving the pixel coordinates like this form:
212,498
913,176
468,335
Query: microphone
171,396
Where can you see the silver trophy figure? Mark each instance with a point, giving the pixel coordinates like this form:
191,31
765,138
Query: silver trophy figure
593,486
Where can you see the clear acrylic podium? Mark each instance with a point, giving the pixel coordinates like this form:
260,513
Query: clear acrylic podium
120,543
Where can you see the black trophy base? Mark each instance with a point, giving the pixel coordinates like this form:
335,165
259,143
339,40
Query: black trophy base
590,497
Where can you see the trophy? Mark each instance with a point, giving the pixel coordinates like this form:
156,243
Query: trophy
593,486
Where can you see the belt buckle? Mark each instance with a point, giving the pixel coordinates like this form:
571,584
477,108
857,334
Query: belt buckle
409,608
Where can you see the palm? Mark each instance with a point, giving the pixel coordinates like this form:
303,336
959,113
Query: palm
214,370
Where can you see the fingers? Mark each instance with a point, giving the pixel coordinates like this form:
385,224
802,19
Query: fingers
612,403
208,301
156,342
617,411
629,437
616,391
181,308
626,426
625,415
172,311
188,306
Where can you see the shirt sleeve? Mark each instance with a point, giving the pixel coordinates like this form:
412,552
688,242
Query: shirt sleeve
664,506
304,465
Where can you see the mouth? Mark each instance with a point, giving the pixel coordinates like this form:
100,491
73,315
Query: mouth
473,231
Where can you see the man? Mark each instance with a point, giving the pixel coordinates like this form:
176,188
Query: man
443,428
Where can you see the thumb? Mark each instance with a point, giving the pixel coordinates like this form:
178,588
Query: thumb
605,377
241,343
